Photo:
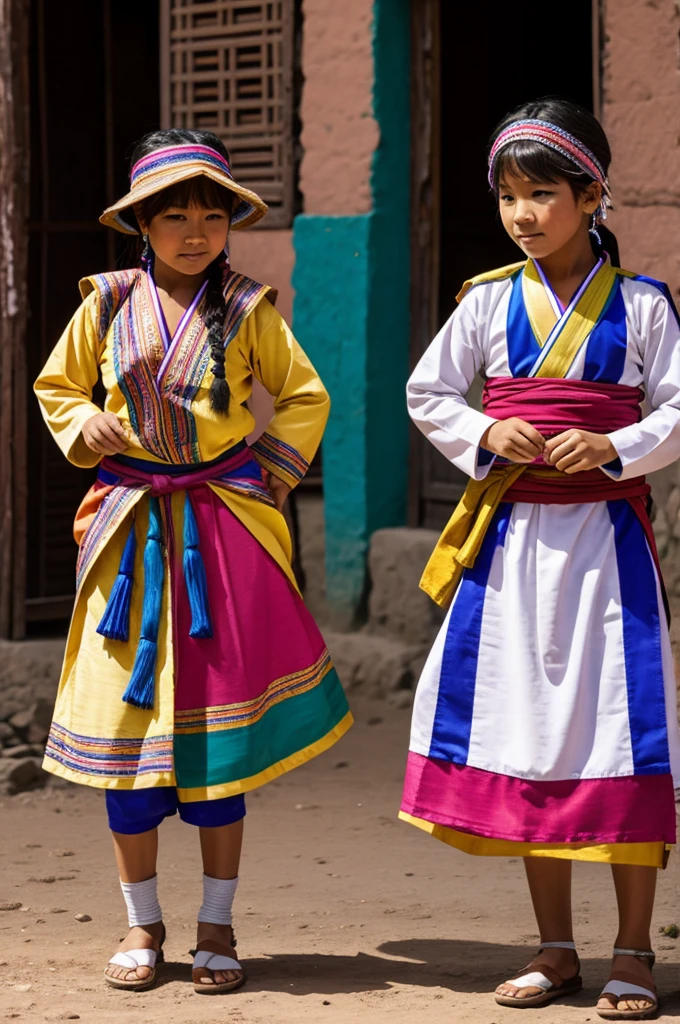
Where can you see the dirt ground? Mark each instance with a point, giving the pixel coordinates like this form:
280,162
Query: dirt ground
344,914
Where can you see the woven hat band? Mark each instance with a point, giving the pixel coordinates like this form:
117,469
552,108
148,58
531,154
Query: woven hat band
171,165
175,158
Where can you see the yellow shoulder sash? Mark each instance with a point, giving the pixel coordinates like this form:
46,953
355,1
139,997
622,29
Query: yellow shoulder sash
491,275
578,327
462,538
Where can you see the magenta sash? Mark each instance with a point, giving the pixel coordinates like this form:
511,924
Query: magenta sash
553,405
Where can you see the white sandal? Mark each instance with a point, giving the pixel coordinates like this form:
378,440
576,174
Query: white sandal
132,959
547,979
623,989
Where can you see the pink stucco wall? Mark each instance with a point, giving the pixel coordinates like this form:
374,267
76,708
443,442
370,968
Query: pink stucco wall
339,136
641,113
267,256
339,133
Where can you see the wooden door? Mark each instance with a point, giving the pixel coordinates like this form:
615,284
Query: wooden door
93,92
14,151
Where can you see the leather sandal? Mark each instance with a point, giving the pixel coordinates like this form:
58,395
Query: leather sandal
213,956
132,959
626,988
544,977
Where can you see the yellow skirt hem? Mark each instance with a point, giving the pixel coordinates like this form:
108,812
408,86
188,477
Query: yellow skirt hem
654,855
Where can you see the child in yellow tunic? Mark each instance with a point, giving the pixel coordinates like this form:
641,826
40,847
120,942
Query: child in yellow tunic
193,671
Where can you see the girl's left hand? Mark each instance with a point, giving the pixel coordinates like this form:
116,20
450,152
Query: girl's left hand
278,490
574,451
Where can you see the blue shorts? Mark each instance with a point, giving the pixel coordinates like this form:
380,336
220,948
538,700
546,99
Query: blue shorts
132,811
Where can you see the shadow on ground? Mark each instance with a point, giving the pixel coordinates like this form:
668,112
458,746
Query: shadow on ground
456,965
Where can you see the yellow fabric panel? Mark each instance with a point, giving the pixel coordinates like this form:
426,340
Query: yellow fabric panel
301,403
579,325
654,855
264,347
538,306
64,387
489,275
96,671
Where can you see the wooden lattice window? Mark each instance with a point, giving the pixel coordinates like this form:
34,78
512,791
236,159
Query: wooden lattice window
228,66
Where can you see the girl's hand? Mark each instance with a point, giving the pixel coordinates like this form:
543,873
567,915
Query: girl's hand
278,489
574,451
514,439
104,434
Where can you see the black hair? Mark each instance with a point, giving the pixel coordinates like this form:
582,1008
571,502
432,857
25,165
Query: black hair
539,163
204,192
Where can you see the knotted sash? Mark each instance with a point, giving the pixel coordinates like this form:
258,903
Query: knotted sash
551,406
122,478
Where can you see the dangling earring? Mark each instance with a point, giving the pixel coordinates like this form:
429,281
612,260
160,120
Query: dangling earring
594,233
226,251
146,253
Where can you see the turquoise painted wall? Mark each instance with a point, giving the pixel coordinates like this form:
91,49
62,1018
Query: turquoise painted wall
351,314
330,318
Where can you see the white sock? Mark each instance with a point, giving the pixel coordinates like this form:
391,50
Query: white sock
218,896
141,899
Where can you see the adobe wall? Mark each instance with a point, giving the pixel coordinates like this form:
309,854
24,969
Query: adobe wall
339,132
641,114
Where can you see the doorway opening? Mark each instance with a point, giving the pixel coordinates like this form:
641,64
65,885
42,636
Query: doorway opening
469,70
93,91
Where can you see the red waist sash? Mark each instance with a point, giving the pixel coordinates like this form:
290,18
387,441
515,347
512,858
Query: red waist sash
556,405
552,406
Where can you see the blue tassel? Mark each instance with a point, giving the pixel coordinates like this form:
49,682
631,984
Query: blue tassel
115,622
141,688
194,577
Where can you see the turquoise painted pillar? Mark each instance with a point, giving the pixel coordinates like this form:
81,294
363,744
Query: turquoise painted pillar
351,314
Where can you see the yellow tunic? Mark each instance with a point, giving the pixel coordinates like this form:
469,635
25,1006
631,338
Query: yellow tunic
263,348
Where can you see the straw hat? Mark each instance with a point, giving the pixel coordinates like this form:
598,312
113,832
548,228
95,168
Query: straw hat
171,164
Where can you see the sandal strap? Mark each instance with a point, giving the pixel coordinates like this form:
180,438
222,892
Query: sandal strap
534,979
212,946
205,960
133,958
542,975
624,989
645,954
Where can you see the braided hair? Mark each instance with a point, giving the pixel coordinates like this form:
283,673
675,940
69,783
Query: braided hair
203,192
214,321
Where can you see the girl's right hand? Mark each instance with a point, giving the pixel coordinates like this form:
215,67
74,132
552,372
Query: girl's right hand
104,434
513,439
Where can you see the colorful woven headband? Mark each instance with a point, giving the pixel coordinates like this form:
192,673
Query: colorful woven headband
534,130
171,164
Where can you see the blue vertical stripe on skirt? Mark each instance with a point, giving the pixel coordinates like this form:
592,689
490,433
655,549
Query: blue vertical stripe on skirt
641,642
455,700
